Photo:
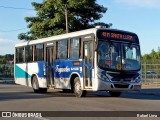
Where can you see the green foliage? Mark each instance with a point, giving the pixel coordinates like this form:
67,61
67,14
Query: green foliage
50,18
5,58
153,57
6,70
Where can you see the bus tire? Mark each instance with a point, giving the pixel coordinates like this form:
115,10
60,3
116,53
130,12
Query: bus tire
115,94
43,90
78,89
67,91
35,84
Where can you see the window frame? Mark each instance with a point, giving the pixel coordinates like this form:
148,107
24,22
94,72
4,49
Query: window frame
36,58
22,54
29,53
60,47
72,47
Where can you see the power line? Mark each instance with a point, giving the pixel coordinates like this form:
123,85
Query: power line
12,30
15,8
6,7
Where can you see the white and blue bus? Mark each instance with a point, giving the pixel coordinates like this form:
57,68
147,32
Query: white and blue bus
97,59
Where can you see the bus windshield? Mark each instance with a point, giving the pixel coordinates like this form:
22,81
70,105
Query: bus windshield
118,56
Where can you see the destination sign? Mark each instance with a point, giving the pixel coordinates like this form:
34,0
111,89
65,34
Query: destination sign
117,35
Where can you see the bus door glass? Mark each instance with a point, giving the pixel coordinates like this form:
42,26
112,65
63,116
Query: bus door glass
50,54
88,63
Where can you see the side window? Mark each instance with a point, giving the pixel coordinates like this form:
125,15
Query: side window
17,55
75,48
39,52
29,53
20,55
62,50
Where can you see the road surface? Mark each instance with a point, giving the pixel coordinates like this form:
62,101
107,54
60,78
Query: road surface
20,98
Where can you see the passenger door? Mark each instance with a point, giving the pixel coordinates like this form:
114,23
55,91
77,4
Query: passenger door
88,63
50,56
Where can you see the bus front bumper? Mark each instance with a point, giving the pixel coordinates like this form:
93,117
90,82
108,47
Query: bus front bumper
118,86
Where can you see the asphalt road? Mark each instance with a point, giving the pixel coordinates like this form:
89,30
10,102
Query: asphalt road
20,98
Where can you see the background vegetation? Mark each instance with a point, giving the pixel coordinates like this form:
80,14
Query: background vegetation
51,17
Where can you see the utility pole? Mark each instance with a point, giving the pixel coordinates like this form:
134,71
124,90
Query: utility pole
66,17
64,7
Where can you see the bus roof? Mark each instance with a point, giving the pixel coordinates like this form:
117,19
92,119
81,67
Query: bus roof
66,35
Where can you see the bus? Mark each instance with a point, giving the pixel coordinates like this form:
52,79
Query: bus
96,59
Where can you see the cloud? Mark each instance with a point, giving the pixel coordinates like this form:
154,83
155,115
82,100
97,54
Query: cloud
140,3
7,46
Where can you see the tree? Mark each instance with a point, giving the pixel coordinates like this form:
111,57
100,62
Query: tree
153,57
5,58
146,57
50,19
154,54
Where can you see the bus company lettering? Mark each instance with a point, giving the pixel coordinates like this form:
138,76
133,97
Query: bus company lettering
117,36
60,70
75,68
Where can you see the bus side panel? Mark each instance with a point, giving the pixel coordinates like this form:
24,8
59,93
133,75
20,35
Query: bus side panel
63,69
24,72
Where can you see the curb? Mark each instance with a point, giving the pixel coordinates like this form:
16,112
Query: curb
148,91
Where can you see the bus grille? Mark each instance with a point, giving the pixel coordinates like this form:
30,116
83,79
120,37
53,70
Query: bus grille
125,77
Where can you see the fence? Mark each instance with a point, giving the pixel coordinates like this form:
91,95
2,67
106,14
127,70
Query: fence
151,74
6,71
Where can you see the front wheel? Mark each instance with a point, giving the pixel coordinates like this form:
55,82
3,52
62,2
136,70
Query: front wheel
115,94
78,89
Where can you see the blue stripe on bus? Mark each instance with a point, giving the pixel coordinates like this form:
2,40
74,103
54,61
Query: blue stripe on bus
61,69
64,68
41,67
20,73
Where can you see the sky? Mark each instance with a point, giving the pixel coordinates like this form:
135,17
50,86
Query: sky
139,16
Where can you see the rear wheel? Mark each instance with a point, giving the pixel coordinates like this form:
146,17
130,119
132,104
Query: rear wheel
115,94
35,86
43,90
78,89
